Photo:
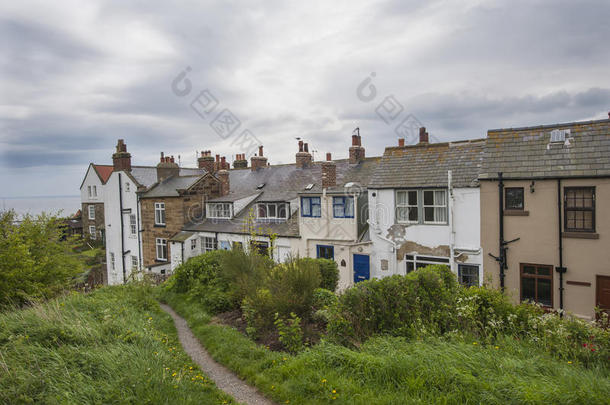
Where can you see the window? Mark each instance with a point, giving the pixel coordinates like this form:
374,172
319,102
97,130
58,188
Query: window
92,233
406,206
91,212
537,283
421,206
208,244
343,207
161,248
94,191
513,198
133,228
193,244
310,207
112,262
415,262
238,245
262,248
134,262
435,206
219,210
468,275
325,252
159,213
89,191
271,211
579,209
127,186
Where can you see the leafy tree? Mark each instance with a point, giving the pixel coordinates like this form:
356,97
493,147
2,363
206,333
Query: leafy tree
35,259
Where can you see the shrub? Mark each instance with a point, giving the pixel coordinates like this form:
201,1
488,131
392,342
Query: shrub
244,273
36,262
401,305
329,272
291,334
204,269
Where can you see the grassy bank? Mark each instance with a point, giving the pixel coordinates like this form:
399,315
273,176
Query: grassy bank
395,370
112,346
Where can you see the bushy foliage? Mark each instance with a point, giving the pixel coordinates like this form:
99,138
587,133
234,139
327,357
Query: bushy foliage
329,272
291,334
400,305
244,272
36,261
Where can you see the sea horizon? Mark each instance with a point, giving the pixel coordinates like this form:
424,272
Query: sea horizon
62,205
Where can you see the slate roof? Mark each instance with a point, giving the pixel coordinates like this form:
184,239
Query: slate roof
426,165
146,176
282,183
170,186
527,153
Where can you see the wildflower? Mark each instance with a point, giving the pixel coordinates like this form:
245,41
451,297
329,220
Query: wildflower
474,343
569,362
284,358
174,374
497,347
191,367
287,401
273,387
323,380
334,398
334,391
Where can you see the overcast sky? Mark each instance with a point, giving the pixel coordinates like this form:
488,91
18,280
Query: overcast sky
77,75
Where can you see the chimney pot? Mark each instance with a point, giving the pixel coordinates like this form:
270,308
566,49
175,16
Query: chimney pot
306,147
401,142
301,145
260,150
121,159
423,135
328,157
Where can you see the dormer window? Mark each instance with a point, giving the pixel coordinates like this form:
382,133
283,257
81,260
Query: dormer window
272,211
219,210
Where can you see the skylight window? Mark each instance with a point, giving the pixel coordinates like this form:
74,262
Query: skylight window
309,186
559,135
260,186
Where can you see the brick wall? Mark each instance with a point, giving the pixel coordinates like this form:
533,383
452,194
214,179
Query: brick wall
178,212
98,222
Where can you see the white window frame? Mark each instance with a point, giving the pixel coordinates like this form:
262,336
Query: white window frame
220,210
426,260
160,213
91,212
407,206
89,191
112,261
134,262
127,186
92,232
193,244
276,207
94,191
161,249
208,243
133,224
434,206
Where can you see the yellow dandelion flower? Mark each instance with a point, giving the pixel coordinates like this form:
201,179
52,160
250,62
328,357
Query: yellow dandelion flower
569,362
334,391
497,347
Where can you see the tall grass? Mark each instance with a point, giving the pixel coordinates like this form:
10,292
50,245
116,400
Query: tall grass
395,370
112,346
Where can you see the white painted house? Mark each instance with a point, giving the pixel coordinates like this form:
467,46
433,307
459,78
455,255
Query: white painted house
92,201
424,203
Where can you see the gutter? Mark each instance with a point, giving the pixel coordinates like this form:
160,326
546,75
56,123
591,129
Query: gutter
560,269
122,230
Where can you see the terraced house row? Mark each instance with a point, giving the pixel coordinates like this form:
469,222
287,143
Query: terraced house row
523,209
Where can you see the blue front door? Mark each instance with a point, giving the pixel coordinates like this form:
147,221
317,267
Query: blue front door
362,268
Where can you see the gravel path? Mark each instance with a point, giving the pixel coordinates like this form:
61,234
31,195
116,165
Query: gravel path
223,377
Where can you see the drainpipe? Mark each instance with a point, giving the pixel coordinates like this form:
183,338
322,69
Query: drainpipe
122,230
502,256
451,226
138,211
560,269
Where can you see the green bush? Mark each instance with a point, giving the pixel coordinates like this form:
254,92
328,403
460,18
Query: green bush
204,269
36,262
329,272
401,305
291,334
244,273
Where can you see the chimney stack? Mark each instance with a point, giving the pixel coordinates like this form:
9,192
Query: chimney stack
356,151
423,135
329,172
401,142
206,161
121,159
223,176
257,162
240,161
303,157
167,168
